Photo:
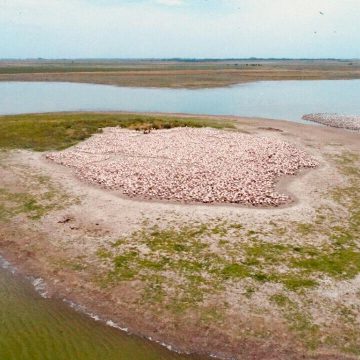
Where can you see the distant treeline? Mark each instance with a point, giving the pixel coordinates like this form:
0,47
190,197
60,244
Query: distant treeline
247,59
194,60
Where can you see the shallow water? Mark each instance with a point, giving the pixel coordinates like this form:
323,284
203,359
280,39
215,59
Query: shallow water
34,328
287,100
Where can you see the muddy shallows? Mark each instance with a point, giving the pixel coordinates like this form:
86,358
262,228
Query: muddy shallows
34,327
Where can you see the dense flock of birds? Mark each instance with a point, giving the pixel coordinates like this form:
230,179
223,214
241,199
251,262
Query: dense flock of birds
187,165
350,122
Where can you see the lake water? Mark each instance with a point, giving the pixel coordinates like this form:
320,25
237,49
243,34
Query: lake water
287,100
35,328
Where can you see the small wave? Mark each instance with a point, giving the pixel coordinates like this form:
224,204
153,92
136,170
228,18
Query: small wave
84,310
40,287
38,283
4,264
114,325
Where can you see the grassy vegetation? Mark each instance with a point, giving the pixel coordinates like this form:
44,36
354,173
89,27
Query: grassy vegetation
33,206
54,69
186,252
60,130
180,266
50,69
300,322
69,67
34,196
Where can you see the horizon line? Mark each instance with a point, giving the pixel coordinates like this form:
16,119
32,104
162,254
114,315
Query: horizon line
177,58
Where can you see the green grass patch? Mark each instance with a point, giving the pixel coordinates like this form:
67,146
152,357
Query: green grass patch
56,131
73,265
185,251
295,282
103,253
305,229
34,194
280,300
298,320
235,271
34,206
342,263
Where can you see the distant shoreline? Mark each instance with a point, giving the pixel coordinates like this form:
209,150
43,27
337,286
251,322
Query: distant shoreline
179,59
177,73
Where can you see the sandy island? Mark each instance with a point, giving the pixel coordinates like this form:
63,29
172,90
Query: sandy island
231,281
176,74
189,165
350,122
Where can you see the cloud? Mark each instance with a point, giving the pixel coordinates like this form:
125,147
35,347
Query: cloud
179,28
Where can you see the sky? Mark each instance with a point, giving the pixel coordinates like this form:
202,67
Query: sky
179,28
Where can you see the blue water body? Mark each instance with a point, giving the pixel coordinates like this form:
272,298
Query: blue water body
287,100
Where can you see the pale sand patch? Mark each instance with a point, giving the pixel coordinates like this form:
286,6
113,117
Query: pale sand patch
350,122
189,165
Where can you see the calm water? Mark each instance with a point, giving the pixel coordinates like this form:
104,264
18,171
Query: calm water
34,328
269,99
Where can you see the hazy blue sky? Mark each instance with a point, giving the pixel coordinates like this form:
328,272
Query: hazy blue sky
179,28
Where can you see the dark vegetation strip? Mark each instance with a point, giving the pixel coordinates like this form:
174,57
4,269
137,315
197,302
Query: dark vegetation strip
78,68
56,131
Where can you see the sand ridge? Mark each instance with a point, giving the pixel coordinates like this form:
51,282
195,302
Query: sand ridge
350,122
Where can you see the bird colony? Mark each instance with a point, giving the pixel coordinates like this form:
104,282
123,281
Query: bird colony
187,165
350,122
